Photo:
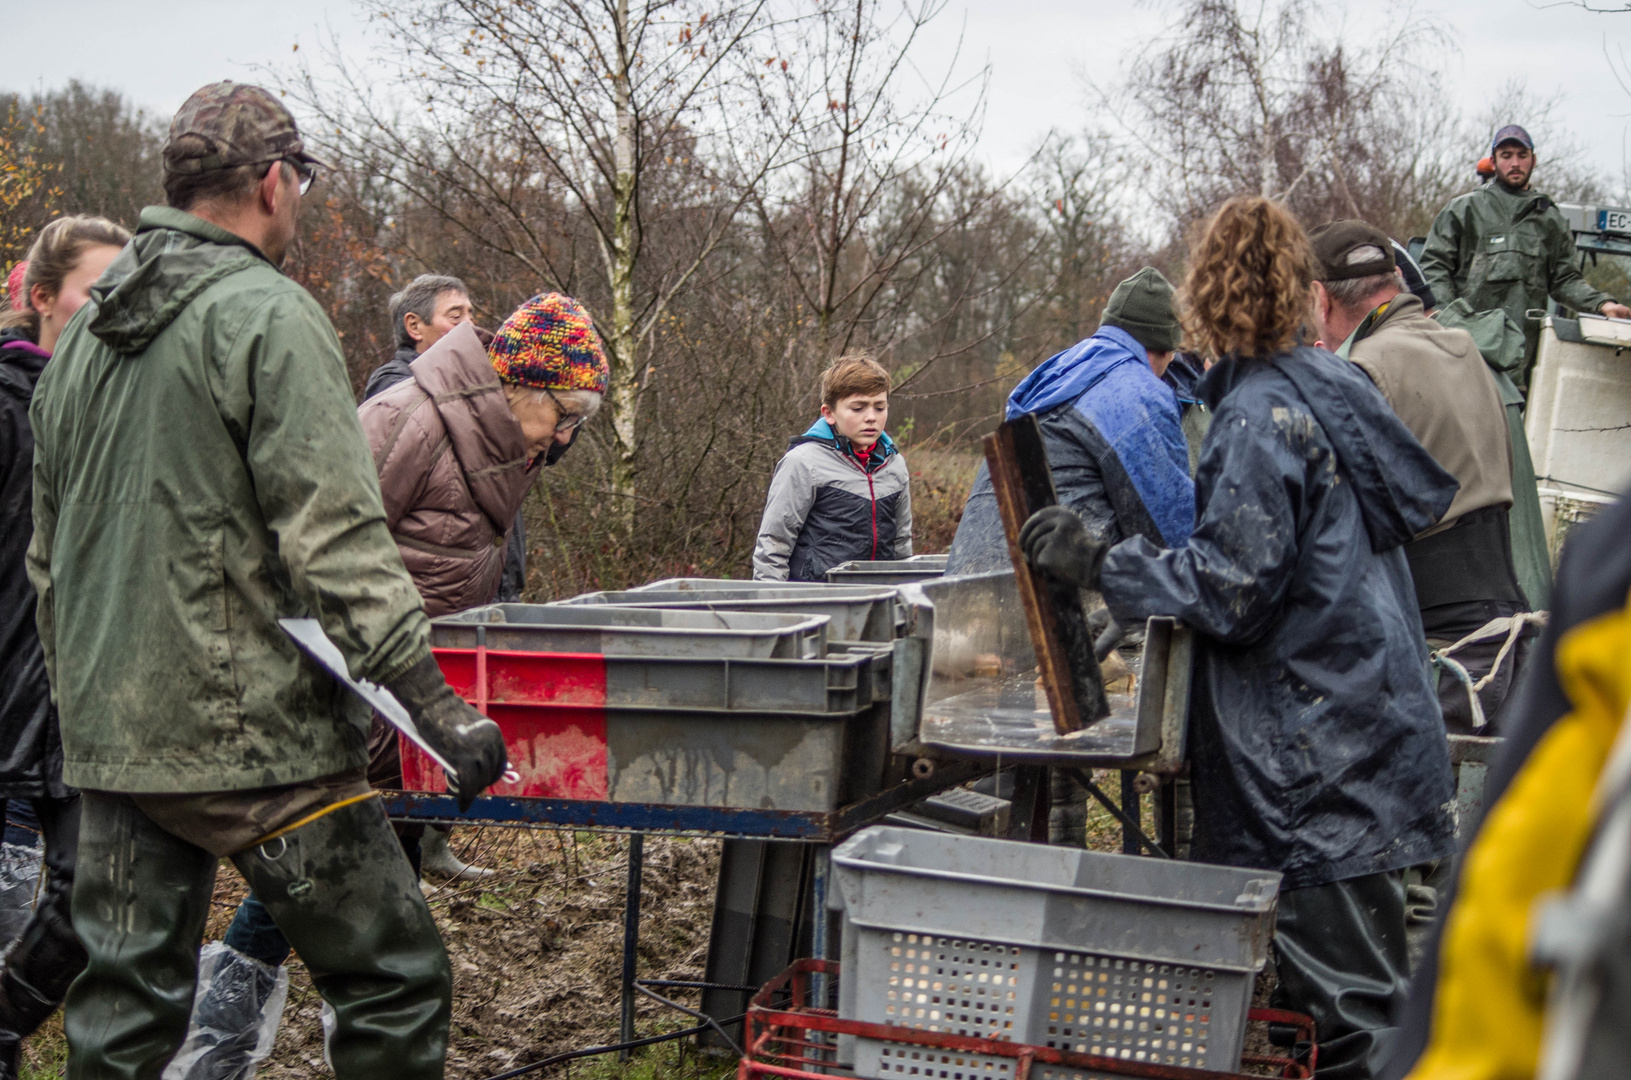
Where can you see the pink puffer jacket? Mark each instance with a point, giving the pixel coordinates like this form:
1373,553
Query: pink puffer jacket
452,466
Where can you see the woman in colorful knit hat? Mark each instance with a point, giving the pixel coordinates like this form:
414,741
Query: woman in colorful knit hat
458,445
552,365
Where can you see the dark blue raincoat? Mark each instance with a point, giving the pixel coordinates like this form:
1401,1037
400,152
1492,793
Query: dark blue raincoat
1316,744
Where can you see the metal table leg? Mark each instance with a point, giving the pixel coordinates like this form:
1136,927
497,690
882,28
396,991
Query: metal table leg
1166,814
631,936
820,877
1132,814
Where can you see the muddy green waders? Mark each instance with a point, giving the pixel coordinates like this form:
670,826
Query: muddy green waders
340,890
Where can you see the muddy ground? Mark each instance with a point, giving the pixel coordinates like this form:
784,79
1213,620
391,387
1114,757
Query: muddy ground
536,955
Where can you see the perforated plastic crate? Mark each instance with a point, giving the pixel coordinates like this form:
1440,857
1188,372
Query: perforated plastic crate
1139,959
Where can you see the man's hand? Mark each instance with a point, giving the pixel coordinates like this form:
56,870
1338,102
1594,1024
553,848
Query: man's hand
1056,542
469,741
1614,310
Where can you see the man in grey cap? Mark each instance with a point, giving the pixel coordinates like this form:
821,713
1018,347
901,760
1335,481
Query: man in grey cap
1507,246
200,473
1438,384
1113,434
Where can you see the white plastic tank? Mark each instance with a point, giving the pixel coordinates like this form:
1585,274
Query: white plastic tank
1579,419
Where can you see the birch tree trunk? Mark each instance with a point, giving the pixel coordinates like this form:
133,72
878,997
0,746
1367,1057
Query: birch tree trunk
623,396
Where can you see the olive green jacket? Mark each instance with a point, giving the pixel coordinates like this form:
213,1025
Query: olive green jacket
199,472
1509,251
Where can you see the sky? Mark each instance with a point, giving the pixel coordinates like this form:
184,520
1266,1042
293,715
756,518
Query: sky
159,51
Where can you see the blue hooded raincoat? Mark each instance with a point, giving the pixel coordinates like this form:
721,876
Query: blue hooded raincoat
1115,446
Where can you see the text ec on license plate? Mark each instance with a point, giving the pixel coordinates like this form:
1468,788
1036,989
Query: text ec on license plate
1618,221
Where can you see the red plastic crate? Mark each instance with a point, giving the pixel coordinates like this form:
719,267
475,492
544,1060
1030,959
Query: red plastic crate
551,708
788,1040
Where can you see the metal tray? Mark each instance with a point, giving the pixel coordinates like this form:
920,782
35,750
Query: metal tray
616,631
887,571
968,654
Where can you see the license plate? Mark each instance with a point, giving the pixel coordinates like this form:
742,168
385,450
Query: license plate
1616,221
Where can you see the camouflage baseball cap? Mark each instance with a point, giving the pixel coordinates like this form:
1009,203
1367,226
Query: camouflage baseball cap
227,124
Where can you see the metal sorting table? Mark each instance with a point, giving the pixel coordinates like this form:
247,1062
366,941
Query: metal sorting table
764,712
694,720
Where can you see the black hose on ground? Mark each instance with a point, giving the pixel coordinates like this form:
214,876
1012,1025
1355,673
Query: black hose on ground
650,1040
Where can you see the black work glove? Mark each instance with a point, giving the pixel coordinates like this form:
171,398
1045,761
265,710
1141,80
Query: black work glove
469,742
1056,542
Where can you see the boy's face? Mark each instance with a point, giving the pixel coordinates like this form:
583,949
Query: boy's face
860,418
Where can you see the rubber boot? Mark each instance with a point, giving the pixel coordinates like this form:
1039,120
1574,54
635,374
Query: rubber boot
437,858
141,897
344,895
1067,815
235,1017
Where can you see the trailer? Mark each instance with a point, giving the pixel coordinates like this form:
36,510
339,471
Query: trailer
1578,412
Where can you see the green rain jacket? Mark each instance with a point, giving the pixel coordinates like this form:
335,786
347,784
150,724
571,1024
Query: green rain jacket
199,472
1505,250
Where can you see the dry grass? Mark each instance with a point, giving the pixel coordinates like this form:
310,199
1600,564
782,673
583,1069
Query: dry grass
941,480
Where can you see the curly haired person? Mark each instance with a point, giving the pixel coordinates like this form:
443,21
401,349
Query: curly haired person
1316,745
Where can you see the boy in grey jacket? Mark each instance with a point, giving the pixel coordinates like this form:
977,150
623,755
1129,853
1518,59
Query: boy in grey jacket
842,491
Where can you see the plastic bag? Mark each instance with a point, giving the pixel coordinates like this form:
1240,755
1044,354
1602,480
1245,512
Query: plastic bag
236,1012
19,882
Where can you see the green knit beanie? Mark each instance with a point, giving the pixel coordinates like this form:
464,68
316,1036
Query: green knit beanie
1142,306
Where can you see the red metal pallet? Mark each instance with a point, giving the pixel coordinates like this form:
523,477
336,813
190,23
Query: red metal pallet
790,1041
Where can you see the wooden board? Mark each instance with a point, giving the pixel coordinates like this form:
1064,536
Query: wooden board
1023,484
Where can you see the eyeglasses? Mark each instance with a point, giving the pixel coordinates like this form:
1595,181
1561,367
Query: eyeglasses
304,171
564,420
307,172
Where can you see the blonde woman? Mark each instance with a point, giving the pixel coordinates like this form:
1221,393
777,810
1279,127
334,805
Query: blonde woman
1315,740
66,259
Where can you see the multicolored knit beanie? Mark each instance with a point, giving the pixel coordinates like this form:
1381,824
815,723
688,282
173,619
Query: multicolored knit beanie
549,343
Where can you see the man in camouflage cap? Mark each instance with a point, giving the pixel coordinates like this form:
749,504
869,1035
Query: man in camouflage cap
200,473
226,124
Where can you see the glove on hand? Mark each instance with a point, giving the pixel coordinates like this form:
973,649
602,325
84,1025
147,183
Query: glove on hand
469,741
1056,542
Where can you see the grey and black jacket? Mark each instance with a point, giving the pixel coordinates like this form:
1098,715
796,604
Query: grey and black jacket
825,507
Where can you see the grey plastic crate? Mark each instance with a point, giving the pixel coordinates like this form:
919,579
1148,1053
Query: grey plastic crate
850,677
685,731
887,571
703,584
1146,960
855,613
615,631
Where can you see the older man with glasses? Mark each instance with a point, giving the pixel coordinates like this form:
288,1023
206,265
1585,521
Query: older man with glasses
457,445
199,473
